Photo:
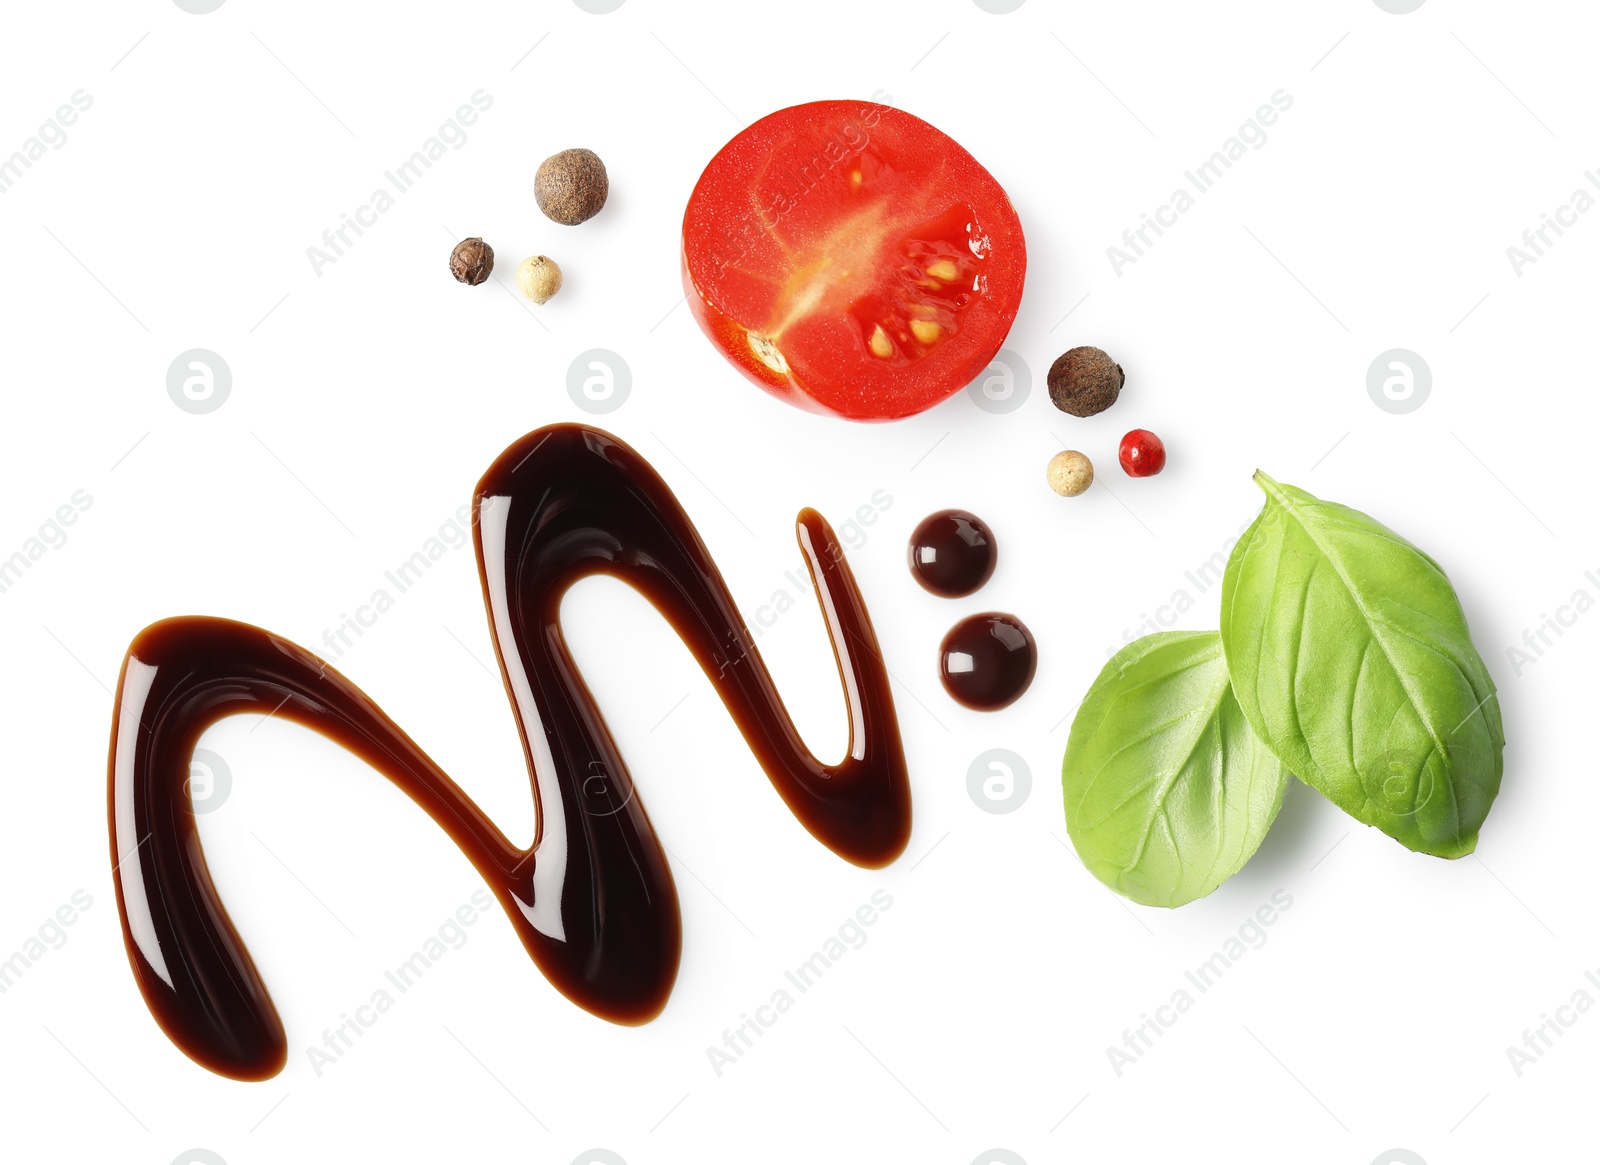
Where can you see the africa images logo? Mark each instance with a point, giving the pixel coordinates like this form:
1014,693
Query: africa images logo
1399,381
199,381
599,381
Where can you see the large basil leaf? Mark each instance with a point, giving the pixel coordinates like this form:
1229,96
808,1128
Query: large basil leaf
1350,655
1168,792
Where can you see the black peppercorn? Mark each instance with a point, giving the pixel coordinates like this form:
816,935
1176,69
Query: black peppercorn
471,261
571,186
1085,381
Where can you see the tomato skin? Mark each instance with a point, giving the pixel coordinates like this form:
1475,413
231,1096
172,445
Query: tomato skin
804,199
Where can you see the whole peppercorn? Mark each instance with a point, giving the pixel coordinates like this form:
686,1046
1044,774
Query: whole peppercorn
1070,473
471,261
1085,381
571,186
538,278
1142,454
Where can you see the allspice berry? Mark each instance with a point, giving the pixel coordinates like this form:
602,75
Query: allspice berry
471,261
1085,381
571,186
538,278
1070,473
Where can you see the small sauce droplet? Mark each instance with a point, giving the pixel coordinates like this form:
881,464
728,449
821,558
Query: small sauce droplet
988,661
952,553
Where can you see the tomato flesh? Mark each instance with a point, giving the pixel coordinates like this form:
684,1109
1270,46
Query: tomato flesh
852,259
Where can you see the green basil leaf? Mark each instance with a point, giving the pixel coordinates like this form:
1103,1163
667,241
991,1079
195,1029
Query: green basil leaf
1168,792
1350,655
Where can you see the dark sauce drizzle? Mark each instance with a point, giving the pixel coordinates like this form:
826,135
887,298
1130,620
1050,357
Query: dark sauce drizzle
593,900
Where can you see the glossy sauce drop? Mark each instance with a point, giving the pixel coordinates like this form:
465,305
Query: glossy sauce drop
988,661
593,899
952,553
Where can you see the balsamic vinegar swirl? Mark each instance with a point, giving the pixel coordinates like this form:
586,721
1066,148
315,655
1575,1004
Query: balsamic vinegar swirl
593,899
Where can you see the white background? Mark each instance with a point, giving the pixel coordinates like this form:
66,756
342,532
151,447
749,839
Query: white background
366,403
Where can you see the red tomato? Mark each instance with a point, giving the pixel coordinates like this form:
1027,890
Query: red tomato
853,260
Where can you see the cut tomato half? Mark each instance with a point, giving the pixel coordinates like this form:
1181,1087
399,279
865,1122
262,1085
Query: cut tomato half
853,260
